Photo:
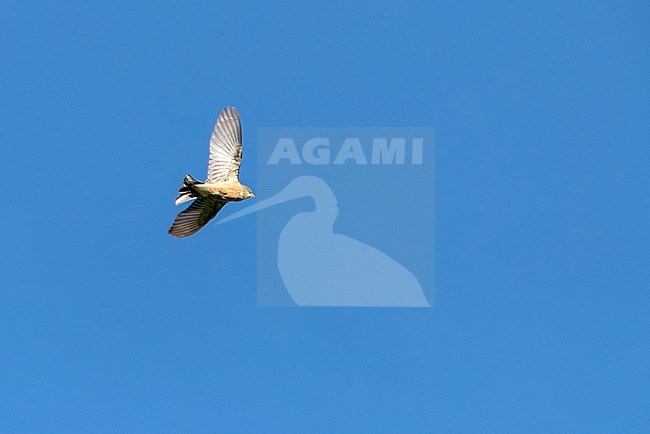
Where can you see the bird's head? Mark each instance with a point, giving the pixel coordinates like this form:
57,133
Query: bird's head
248,193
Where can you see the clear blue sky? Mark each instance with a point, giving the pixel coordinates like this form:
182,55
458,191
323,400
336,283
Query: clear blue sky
541,317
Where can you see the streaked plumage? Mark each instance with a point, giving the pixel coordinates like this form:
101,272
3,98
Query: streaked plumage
222,185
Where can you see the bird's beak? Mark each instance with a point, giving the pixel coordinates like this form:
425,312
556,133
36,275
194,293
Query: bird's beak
288,193
302,186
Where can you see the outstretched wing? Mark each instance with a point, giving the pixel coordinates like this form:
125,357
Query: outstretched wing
195,216
225,147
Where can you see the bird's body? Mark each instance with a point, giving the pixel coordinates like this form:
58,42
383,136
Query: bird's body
228,191
222,185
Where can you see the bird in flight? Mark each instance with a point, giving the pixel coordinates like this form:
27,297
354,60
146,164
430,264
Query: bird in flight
222,185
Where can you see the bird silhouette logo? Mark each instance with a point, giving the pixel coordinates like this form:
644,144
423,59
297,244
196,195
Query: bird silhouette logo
323,268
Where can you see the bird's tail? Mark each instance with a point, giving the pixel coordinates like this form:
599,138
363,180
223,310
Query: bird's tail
186,193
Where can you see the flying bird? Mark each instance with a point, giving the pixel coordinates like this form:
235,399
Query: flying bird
222,185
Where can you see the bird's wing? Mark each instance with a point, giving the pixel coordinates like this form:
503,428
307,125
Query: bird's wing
195,216
225,147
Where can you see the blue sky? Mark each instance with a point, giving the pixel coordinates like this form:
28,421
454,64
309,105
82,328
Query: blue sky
541,316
